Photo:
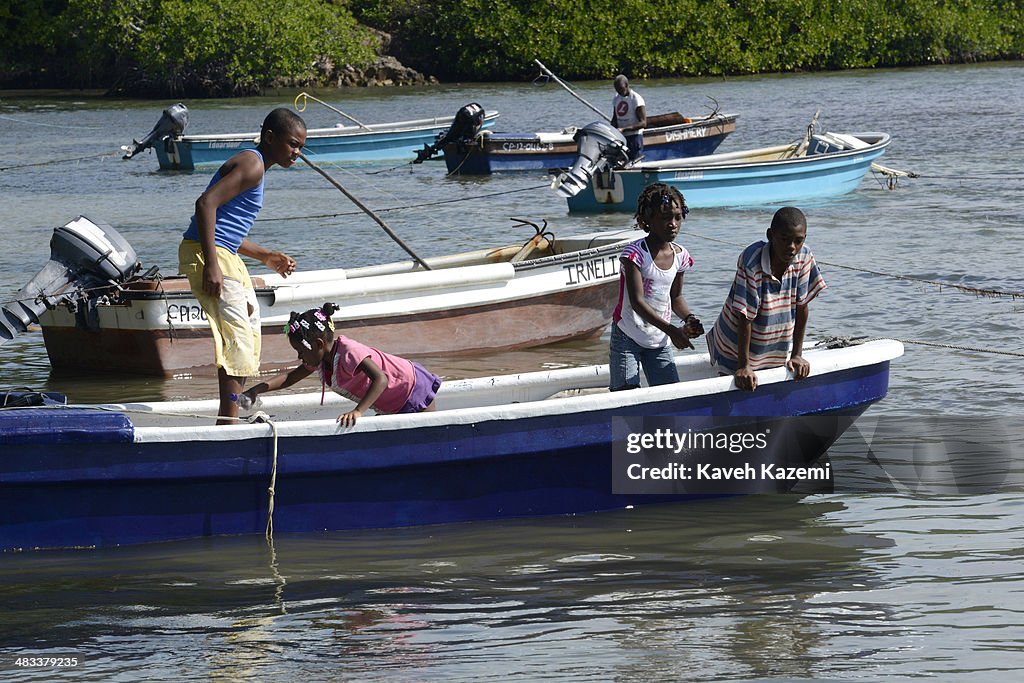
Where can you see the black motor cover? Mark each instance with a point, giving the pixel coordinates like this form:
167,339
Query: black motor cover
465,125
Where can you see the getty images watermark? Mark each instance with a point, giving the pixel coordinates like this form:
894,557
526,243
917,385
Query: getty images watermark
740,455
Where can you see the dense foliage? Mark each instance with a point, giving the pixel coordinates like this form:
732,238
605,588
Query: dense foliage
498,39
233,47
213,47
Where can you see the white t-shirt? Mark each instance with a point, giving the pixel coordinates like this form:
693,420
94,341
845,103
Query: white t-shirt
625,108
657,292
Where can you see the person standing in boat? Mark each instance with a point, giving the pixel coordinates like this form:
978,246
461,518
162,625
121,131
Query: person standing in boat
218,234
368,376
650,291
763,321
629,115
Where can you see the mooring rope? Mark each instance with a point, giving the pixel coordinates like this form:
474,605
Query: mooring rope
838,342
272,489
337,165
51,125
60,161
977,291
404,207
972,177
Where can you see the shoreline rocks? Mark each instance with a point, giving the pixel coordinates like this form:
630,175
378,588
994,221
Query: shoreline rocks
386,71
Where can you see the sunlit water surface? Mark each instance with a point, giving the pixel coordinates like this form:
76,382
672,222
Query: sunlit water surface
852,586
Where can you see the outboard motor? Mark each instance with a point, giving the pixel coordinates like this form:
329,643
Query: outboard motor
172,122
83,255
467,123
599,145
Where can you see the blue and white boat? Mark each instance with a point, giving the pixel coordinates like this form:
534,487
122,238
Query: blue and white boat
538,443
668,136
395,141
827,164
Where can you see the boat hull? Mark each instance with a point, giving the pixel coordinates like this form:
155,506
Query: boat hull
741,183
506,152
474,464
444,312
382,142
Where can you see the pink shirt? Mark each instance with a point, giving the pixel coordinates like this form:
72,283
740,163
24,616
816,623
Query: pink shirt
342,375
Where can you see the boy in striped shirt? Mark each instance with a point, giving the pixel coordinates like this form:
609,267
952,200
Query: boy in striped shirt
763,320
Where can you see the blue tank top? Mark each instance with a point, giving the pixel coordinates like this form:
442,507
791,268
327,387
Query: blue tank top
235,217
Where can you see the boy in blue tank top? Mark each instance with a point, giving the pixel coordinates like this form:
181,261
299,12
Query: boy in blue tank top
218,234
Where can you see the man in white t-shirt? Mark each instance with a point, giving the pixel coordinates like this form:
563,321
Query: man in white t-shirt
629,115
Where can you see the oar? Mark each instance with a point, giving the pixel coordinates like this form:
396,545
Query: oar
562,83
369,212
306,96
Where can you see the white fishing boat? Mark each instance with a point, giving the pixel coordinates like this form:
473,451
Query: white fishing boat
100,312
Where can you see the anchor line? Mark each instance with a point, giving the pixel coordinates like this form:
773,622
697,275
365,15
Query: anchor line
388,170
50,125
403,207
972,177
272,488
836,342
977,291
356,177
59,161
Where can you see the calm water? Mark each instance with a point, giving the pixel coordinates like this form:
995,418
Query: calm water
852,585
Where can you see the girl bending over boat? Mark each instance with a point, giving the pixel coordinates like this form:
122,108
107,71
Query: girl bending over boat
368,376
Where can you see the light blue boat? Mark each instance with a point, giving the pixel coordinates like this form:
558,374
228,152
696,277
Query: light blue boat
826,164
371,142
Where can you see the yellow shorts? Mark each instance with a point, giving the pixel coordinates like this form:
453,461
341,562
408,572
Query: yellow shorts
236,331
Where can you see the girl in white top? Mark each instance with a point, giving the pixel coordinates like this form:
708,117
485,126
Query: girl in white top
650,291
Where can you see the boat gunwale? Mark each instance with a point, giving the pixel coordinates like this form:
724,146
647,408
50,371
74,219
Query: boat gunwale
409,126
692,164
493,136
521,266
828,361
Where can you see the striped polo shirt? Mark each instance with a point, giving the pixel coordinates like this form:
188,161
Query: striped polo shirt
769,303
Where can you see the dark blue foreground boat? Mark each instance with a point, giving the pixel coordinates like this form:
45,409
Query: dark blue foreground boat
538,443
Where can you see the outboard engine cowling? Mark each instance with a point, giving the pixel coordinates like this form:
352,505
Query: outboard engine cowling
465,125
172,122
599,145
83,254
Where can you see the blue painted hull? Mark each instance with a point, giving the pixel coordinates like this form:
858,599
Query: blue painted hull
473,160
385,142
707,185
58,493
510,152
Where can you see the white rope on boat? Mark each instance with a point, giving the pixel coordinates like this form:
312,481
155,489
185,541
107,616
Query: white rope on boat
264,418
